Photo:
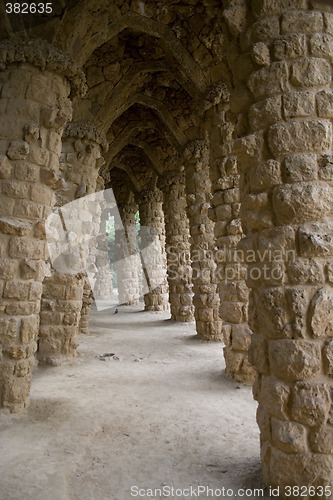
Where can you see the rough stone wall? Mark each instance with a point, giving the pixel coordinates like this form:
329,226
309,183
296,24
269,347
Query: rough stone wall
128,258
225,212
152,231
63,289
34,109
284,153
198,190
179,271
103,287
87,300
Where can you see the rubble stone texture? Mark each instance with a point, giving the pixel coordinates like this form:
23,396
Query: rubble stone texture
239,95
63,290
152,233
172,184
37,108
286,200
198,189
127,257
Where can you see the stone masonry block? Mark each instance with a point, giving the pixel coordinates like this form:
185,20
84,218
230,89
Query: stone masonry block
270,81
26,171
302,271
274,396
18,150
263,8
22,248
264,113
258,354
17,290
8,269
265,175
300,136
321,440
28,209
322,46
299,104
328,357
310,403
5,167
302,22
294,359
241,337
324,101
316,240
299,469
29,329
8,330
289,436
265,30
321,313
300,167
290,47
309,72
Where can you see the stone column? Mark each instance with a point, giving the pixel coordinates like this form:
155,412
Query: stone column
221,125
36,80
198,187
103,287
287,203
128,258
87,300
179,269
63,289
154,259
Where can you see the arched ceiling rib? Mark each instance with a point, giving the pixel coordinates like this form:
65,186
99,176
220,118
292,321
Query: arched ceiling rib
186,65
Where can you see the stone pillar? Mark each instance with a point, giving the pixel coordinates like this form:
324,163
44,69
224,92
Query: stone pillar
128,259
63,289
88,296
221,124
198,187
103,287
287,203
87,300
36,80
179,269
152,233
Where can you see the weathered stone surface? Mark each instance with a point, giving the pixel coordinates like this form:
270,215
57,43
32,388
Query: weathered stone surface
300,167
324,100
265,113
321,440
258,354
274,397
263,8
270,81
302,202
290,47
310,403
298,104
321,313
300,136
289,436
308,72
265,175
299,469
302,22
18,150
294,359
316,239
322,46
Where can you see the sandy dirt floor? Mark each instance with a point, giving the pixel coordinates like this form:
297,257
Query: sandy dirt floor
159,413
